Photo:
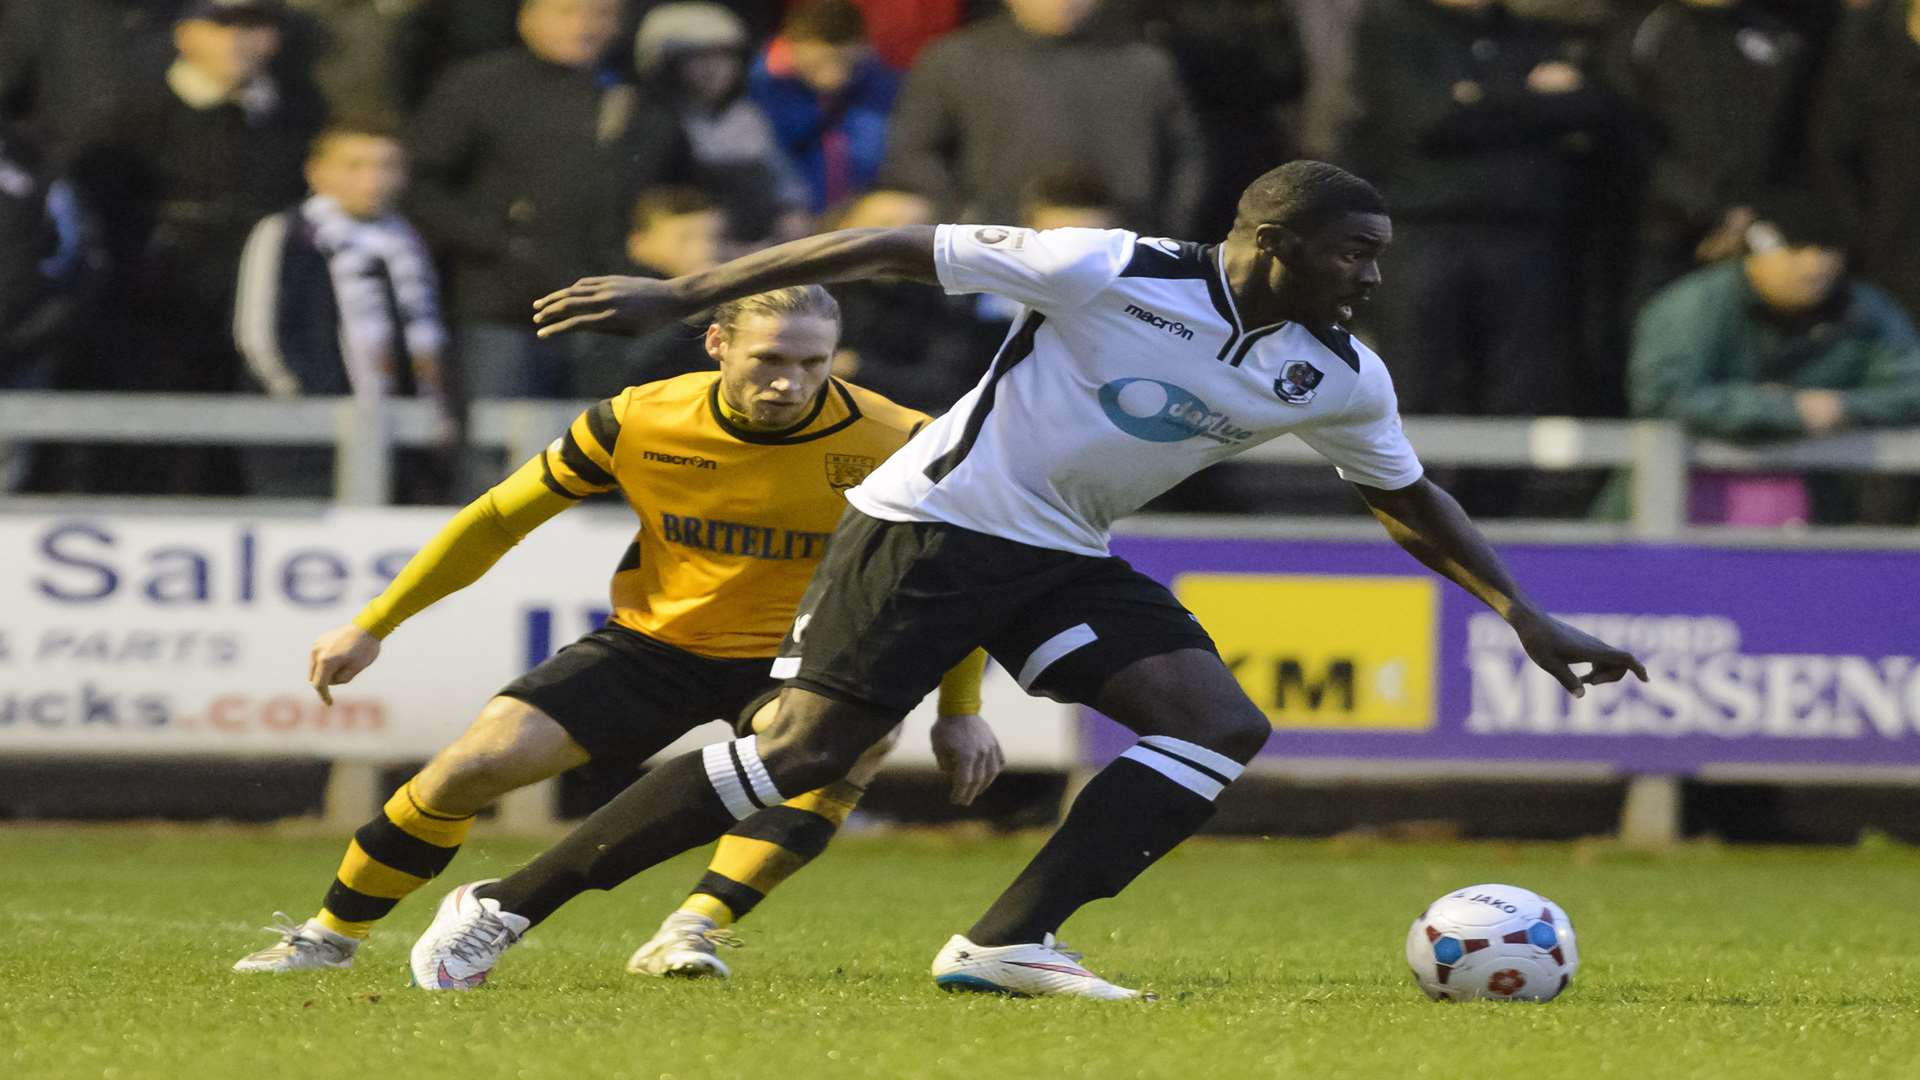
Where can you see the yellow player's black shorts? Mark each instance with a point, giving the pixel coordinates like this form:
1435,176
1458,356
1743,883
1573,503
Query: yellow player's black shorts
893,605
623,696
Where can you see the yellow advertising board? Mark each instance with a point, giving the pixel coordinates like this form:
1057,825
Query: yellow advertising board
1325,652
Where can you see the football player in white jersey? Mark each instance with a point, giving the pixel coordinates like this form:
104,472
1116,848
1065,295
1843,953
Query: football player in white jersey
1135,363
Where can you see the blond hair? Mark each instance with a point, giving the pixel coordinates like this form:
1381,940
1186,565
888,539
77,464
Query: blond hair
794,300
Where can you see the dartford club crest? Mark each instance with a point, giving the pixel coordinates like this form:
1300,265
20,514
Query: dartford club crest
846,470
996,237
1297,382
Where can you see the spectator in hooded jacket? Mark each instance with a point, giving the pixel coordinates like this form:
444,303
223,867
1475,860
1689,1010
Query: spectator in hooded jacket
694,55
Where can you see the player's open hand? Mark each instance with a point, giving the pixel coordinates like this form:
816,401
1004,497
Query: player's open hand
338,655
966,750
1556,647
608,305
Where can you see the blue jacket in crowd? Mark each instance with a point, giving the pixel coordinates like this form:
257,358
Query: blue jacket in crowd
836,144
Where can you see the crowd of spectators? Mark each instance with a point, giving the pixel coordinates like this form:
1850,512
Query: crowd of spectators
1697,209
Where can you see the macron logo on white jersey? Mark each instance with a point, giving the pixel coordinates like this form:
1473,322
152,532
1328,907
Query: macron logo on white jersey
1160,322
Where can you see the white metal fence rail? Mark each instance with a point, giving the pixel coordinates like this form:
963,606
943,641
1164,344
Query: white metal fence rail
1658,455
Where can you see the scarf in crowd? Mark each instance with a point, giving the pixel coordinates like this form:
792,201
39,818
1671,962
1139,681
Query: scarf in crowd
365,259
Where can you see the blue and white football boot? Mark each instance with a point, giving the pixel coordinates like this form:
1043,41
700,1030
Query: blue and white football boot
1042,970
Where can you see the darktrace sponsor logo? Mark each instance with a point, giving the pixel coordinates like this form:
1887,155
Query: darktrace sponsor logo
1161,322
1162,412
691,461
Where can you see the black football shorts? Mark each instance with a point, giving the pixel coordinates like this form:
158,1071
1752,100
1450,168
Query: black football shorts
895,604
623,696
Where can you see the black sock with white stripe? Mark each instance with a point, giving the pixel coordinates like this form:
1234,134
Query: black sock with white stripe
687,802
1137,809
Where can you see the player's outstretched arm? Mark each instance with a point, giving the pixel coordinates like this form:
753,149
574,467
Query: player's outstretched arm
1430,525
632,305
463,550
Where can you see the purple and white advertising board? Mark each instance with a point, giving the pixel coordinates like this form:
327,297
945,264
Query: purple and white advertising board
1755,656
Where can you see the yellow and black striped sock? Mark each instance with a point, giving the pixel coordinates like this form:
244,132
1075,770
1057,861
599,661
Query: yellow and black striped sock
392,855
767,848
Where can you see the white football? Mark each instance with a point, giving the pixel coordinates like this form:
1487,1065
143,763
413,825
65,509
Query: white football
1499,942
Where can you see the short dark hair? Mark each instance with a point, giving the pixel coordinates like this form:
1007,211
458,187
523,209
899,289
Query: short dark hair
668,201
1304,196
371,126
1080,190
834,22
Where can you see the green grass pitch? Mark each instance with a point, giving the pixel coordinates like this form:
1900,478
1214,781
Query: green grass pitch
1272,958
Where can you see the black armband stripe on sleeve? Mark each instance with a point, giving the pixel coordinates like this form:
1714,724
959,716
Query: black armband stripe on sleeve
553,482
604,424
576,459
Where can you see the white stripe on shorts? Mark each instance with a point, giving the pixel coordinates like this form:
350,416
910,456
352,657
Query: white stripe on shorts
786,667
1051,650
1177,771
726,781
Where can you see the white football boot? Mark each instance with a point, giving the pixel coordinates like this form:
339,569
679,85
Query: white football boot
1043,970
306,946
464,940
686,946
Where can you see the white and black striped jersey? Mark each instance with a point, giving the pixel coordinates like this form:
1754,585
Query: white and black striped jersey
1127,371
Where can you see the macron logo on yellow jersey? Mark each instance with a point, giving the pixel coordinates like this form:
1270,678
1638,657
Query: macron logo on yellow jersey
691,460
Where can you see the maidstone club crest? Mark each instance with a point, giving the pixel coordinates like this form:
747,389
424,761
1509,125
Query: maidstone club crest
846,470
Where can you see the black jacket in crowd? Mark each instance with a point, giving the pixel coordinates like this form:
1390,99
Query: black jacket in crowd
42,259
66,66
916,345
1505,153
990,107
1866,144
524,174
1686,66
178,189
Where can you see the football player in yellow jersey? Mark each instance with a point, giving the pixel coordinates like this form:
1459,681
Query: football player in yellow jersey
736,476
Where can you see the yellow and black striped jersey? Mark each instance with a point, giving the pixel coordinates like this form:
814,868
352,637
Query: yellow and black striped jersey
732,520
